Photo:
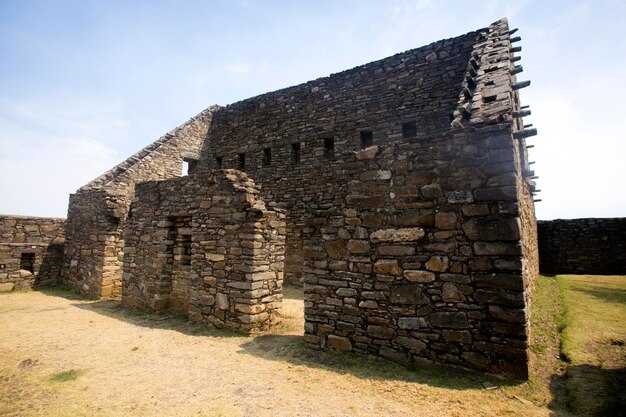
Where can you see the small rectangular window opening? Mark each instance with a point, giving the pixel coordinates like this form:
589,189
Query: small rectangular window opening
27,262
189,166
218,162
241,161
295,153
367,139
409,130
267,157
329,148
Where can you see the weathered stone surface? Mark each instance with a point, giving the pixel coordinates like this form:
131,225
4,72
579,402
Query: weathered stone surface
387,267
339,343
419,276
396,250
497,249
397,235
367,153
411,343
432,191
461,336
407,294
500,280
460,197
473,210
336,249
380,332
493,228
424,218
451,320
221,301
365,200
7,286
445,221
503,297
437,263
412,323
509,315
451,293
358,246
375,175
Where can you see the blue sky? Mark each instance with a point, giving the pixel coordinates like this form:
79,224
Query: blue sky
84,84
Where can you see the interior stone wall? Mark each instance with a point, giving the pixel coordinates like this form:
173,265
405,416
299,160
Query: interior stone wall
230,271
583,246
409,201
35,243
97,211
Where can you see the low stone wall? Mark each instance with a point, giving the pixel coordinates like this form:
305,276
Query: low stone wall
31,251
97,211
207,245
583,246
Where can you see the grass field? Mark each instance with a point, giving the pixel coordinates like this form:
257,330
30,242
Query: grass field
594,334
65,356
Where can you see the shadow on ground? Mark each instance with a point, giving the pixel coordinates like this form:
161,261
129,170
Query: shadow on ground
288,348
611,295
591,391
291,349
167,321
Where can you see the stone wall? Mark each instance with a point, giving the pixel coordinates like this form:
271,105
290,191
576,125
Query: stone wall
408,200
31,251
583,246
409,205
205,244
97,211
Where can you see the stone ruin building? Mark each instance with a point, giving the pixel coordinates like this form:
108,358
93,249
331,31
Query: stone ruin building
398,193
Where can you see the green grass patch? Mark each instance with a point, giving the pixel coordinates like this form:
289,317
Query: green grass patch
65,376
545,385
594,329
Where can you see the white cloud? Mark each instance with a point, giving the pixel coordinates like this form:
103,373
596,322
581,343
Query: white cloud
238,68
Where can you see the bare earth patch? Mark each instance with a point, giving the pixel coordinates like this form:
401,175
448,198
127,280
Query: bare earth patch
64,356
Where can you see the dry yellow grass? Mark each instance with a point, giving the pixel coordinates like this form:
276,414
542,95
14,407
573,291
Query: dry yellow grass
122,363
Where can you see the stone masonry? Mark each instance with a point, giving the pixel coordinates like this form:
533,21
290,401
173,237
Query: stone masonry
205,244
583,246
409,205
31,251
97,211
407,201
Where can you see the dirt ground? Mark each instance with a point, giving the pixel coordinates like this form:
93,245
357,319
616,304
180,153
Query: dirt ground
63,356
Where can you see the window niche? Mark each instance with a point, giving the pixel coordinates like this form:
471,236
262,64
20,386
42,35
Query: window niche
179,234
409,129
329,148
241,161
27,262
267,157
367,139
295,153
189,166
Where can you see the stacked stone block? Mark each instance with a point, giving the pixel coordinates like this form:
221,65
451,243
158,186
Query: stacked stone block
31,251
97,211
583,246
409,208
231,274
408,202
